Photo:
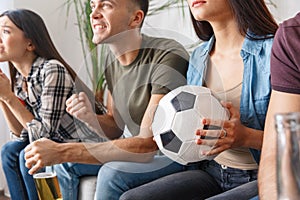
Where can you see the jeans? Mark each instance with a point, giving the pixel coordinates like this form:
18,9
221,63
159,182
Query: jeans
69,174
243,192
115,178
255,198
187,185
209,180
20,184
228,178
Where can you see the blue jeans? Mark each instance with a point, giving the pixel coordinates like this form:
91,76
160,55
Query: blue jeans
211,179
20,184
228,178
69,174
245,191
255,198
115,178
191,184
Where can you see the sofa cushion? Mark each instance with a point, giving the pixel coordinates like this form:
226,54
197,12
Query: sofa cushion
87,187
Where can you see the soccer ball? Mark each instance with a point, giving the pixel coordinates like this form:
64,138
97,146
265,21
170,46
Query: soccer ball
177,117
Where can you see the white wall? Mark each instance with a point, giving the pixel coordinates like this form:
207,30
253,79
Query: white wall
172,23
286,9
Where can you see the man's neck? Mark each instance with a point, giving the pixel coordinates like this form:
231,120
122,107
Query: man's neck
126,48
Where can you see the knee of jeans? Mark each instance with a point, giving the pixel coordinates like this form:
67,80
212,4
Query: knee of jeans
22,156
108,174
8,153
112,182
63,170
105,172
22,161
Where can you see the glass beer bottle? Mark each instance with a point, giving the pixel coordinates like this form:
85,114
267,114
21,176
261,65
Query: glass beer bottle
288,156
45,179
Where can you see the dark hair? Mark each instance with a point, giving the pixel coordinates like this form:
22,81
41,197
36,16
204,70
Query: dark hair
251,15
143,5
35,29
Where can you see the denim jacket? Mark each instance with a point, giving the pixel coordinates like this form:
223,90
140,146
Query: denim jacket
256,87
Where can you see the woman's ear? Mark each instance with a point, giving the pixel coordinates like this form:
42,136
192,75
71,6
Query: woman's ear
137,19
30,47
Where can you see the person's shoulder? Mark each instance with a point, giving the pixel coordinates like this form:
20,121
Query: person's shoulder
51,66
164,47
53,63
203,48
289,28
267,43
291,22
160,42
288,32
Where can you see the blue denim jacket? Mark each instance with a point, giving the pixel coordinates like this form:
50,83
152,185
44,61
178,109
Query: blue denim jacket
256,89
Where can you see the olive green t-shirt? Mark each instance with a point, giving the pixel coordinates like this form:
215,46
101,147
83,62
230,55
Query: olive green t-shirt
160,66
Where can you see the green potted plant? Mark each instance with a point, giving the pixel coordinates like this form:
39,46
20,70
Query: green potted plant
91,54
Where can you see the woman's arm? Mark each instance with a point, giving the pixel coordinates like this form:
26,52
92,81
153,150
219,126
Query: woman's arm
13,124
14,111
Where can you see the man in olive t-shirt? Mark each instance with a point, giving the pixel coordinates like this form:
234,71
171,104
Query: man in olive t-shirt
159,67
142,70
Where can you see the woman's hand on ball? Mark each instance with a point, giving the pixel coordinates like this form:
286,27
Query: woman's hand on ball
216,137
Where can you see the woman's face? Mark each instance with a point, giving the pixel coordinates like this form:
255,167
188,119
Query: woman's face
210,10
13,44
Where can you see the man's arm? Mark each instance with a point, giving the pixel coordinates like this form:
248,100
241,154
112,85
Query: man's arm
105,125
140,148
280,102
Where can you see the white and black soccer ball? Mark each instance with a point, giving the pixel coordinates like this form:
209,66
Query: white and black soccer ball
177,117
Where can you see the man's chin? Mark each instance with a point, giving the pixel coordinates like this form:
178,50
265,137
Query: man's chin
97,41
101,40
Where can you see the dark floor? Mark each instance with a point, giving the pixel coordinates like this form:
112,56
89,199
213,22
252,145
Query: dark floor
2,197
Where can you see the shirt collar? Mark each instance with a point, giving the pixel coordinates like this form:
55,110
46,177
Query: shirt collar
35,66
251,46
207,46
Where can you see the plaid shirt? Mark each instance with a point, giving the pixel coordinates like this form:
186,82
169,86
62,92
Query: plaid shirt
48,86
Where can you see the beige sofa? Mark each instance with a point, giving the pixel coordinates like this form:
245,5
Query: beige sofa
87,188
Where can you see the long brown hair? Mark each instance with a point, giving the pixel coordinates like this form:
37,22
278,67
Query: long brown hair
251,15
35,29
